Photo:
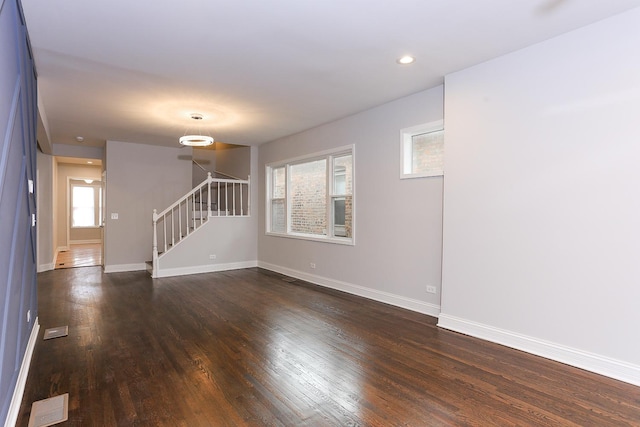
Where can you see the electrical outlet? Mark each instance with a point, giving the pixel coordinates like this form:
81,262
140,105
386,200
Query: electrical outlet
312,265
212,256
431,289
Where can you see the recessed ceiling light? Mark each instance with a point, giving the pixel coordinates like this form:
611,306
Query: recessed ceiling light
79,138
90,162
406,60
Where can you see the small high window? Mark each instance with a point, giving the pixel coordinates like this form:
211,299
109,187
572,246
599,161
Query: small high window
422,150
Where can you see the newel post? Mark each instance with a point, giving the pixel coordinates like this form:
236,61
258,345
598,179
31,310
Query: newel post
248,194
209,180
155,242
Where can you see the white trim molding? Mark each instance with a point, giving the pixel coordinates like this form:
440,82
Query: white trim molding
46,267
350,288
123,268
85,242
329,156
598,364
198,269
18,392
406,149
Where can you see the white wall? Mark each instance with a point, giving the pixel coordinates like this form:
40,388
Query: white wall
140,178
45,192
64,172
398,222
542,199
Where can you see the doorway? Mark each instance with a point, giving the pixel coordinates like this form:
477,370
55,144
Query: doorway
78,212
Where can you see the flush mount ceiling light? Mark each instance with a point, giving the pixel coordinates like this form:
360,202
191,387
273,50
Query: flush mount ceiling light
406,60
195,140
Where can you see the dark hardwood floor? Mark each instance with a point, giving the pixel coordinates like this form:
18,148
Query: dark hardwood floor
247,348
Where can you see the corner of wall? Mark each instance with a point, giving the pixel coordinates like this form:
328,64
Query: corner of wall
606,366
350,288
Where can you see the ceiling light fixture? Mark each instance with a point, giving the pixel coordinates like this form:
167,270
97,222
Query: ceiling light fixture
195,140
88,181
406,60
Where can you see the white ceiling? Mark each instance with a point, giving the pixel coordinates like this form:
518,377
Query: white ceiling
257,69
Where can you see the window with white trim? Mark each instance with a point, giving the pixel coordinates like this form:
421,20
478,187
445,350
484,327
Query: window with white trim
422,150
86,203
312,197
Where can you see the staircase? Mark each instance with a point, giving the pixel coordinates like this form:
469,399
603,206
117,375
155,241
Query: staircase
214,197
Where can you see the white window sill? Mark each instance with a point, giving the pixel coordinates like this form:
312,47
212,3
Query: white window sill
335,240
421,175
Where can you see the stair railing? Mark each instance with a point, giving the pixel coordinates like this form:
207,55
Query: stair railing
212,197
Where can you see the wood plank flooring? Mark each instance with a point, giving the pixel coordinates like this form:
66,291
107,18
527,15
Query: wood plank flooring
246,348
80,255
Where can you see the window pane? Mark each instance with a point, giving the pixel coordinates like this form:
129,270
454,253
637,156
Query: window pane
342,186
427,152
312,198
277,216
342,175
339,217
279,183
309,197
342,216
83,212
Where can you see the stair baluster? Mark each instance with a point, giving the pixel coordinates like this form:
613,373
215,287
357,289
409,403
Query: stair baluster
172,217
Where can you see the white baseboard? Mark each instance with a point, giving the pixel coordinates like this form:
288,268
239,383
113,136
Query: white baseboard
84,242
183,271
598,364
46,267
121,268
18,392
385,297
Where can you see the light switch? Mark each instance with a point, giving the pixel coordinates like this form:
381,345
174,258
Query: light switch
114,215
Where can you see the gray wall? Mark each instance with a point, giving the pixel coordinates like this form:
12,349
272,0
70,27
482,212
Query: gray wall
85,235
206,157
542,204
398,223
229,159
78,151
233,160
140,178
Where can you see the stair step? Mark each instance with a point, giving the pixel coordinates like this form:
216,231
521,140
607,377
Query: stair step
149,267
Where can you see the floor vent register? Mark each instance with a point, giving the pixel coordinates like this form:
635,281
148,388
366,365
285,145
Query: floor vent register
49,411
